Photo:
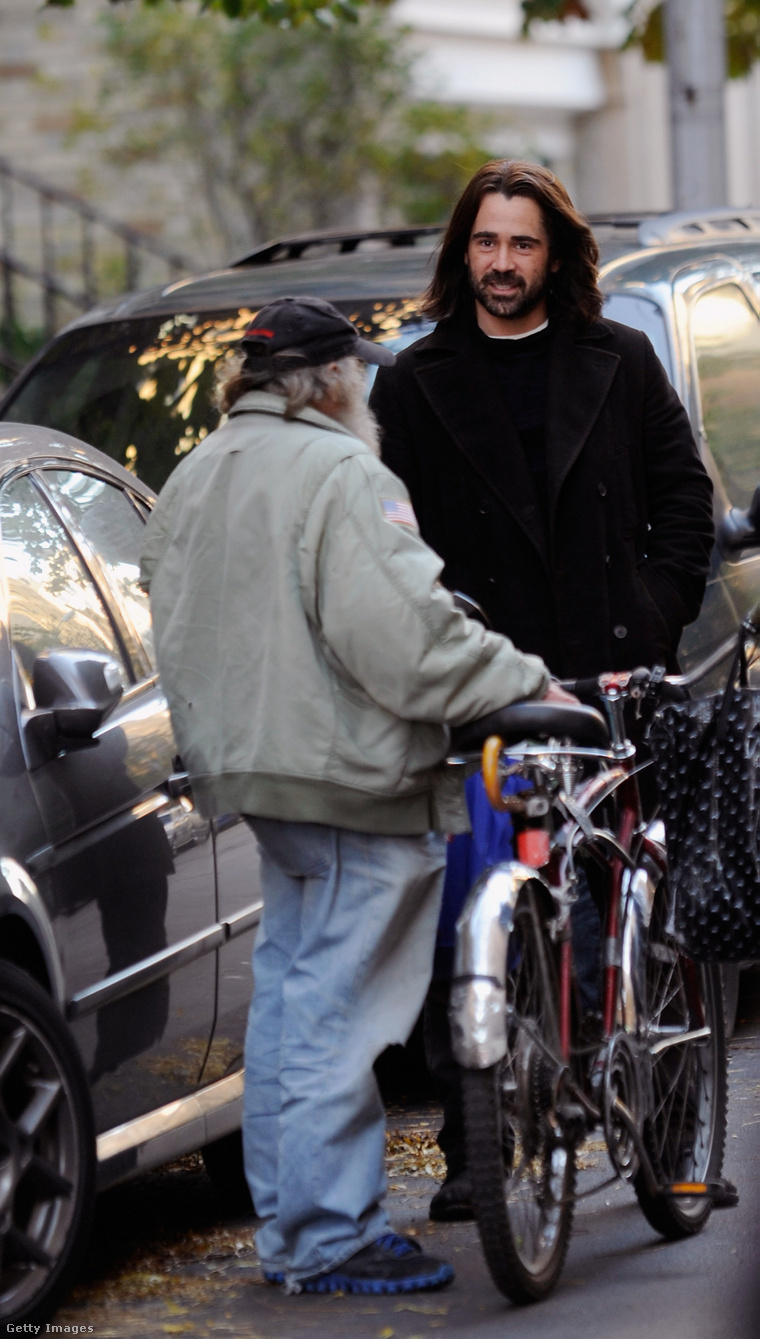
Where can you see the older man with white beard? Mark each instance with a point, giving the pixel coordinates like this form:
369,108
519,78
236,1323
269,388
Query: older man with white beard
313,662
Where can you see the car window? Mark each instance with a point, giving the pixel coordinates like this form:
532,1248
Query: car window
727,343
112,525
642,314
54,603
398,340
143,391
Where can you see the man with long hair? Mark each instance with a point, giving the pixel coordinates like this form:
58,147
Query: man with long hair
549,462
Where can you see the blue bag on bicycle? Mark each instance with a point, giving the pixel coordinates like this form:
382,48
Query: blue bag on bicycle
467,856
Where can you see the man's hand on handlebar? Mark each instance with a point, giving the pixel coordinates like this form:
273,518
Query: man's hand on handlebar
555,693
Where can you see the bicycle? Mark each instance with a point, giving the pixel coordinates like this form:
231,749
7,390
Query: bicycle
538,1077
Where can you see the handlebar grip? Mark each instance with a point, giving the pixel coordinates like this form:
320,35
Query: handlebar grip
586,690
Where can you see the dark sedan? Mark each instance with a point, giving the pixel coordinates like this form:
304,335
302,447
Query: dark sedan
126,918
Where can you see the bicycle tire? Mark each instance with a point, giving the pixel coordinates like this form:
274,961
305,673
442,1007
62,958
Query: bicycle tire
685,1133
523,1174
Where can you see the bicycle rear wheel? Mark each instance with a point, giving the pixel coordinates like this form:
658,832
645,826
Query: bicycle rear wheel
685,1133
523,1172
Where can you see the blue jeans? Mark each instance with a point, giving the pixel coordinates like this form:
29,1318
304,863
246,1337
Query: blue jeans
341,965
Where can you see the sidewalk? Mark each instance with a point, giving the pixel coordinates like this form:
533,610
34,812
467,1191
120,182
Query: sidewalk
165,1260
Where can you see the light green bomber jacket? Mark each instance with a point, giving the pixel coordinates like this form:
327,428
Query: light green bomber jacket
311,659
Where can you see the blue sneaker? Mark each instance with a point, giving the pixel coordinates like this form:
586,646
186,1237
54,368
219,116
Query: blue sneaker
392,1264
274,1276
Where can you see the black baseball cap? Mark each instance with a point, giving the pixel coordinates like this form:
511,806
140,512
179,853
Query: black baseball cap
312,327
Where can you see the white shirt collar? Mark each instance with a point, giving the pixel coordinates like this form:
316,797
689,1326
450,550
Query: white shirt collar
526,333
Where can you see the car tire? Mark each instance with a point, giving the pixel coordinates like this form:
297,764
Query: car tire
224,1164
47,1152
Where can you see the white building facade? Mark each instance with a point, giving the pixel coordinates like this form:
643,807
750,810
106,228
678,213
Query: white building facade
570,97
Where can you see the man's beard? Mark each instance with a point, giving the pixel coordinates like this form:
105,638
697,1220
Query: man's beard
351,408
520,303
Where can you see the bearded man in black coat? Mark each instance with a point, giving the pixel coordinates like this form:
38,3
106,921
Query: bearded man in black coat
549,461
550,464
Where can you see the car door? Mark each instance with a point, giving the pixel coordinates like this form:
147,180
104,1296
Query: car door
725,335
127,866
239,908
113,530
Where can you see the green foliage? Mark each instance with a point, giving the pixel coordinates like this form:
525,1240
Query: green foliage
286,128
648,30
436,152
742,35
552,11
277,12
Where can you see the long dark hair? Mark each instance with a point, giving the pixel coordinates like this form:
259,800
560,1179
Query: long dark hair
573,290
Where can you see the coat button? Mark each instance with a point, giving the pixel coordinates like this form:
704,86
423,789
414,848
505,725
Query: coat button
602,490
492,580
620,631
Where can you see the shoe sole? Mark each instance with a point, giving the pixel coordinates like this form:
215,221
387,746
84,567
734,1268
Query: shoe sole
333,1283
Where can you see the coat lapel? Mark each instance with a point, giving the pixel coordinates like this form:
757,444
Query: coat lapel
462,394
580,376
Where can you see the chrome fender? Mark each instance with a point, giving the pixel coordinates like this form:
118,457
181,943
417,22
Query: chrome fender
478,1002
639,887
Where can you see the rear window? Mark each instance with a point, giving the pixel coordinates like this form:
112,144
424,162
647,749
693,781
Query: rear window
143,391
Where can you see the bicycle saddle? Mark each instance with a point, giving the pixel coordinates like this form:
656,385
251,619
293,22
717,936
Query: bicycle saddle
534,720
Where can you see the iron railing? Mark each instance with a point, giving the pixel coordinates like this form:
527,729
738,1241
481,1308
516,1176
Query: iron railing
53,245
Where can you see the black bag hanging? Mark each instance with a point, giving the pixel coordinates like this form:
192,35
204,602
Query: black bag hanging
707,763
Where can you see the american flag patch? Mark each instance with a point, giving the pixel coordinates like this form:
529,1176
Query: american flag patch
399,513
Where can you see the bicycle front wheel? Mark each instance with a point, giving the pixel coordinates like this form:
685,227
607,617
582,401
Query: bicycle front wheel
522,1171
685,1132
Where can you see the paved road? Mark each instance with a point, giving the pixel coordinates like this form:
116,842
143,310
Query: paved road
164,1262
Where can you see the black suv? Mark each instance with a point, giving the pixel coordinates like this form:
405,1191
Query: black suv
135,377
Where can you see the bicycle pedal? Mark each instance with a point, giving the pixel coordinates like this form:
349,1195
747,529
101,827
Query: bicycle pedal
723,1194
573,1122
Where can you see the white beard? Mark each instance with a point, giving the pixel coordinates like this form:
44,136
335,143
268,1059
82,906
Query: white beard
360,420
349,406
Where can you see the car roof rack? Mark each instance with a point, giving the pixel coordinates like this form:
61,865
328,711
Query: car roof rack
346,243
697,225
647,228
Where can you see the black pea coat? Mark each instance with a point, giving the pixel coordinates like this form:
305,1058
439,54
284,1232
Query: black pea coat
619,568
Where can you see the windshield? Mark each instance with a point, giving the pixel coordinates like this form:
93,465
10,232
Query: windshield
143,391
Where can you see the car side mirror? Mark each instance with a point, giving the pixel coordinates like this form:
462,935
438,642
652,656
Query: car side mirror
739,529
74,692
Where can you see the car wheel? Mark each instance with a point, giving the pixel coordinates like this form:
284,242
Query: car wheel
47,1152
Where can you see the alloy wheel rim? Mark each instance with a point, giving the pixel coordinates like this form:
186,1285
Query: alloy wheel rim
39,1161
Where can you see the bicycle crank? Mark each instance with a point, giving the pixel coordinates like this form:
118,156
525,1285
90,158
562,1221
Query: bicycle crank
623,1090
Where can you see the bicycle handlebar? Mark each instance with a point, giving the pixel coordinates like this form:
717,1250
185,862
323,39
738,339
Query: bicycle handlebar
641,682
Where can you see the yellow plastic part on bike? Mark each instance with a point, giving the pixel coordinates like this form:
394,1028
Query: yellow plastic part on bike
491,752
